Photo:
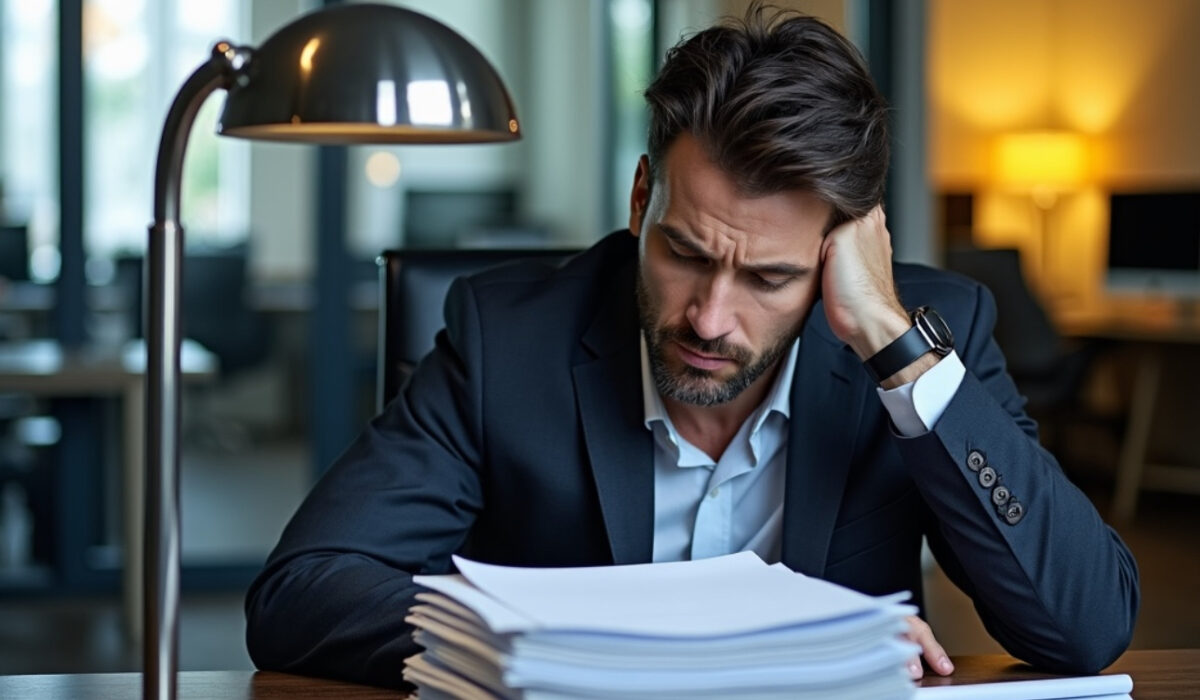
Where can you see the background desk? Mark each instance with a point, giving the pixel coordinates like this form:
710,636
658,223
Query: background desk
1149,332
44,368
1157,675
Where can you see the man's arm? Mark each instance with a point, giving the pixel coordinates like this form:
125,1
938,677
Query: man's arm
1052,583
332,598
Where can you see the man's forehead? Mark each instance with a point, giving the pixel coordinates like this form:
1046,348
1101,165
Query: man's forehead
689,176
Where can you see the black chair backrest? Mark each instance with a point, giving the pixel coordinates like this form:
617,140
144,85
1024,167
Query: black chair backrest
413,286
1031,343
215,310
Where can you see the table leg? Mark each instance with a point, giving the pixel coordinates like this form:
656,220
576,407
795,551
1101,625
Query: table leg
134,509
1132,462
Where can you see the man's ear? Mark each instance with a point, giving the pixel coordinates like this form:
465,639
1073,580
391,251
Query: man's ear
639,198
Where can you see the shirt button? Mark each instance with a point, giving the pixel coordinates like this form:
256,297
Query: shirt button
1000,496
1014,512
987,477
714,492
976,460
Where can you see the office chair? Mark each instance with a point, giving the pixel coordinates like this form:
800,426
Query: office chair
1048,371
217,315
413,286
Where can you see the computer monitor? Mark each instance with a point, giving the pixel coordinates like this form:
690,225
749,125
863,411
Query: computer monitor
1154,243
440,218
14,253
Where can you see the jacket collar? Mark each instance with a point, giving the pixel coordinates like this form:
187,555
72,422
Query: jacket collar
608,392
829,392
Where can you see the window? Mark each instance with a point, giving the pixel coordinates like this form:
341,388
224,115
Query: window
28,127
633,63
136,55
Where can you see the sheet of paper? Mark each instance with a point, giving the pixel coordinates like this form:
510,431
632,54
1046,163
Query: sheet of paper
499,617
886,659
1082,687
733,594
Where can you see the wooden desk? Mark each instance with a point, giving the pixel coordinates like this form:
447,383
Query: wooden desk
1171,674
43,368
1149,330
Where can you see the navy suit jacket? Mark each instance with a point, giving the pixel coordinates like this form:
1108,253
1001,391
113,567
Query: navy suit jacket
520,440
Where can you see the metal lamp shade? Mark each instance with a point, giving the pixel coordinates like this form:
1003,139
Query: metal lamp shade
368,73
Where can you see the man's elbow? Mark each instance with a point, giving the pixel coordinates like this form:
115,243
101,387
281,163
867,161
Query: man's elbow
1095,653
1092,645
266,638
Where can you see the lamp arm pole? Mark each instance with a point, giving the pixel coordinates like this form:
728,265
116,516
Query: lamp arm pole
164,258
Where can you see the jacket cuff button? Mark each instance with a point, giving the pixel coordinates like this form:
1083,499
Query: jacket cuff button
1014,512
987,477
976,460
1000,496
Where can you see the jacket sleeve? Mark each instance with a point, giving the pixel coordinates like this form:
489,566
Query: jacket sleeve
1051,582
333,595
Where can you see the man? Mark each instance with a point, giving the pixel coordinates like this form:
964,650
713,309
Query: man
742,372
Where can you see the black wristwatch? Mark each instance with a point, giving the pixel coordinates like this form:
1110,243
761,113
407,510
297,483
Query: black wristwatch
928,334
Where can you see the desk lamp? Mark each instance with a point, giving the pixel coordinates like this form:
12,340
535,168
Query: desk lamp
1043,164
353,73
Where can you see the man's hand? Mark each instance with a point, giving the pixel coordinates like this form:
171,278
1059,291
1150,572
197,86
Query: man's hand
859,293
856,284
920,633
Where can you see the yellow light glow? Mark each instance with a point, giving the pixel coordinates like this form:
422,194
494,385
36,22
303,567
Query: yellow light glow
1041,160
382,169
306,54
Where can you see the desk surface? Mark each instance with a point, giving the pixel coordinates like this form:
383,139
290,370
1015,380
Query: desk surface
272,296
1157,675
44,367
1133,320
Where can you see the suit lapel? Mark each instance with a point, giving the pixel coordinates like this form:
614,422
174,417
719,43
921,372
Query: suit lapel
828,393
608,388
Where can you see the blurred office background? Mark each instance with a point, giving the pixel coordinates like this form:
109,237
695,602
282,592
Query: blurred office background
1045,146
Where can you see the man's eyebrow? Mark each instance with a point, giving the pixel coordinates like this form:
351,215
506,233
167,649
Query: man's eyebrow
683,241
770,269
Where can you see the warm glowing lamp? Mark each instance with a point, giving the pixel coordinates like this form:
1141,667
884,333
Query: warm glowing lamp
1044,165
354,73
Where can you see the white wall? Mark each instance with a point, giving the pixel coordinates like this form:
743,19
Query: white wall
564,176
281,178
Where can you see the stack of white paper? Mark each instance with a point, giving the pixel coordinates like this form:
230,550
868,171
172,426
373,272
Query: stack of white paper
724,627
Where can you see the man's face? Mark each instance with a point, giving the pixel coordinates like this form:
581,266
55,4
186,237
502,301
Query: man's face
725,280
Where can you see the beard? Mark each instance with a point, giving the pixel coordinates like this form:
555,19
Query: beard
693,385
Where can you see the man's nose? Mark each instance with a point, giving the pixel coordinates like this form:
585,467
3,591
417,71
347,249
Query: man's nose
711,311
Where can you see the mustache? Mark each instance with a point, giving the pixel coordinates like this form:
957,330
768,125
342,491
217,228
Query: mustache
721,347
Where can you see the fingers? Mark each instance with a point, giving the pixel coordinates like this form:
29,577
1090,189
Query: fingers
920,633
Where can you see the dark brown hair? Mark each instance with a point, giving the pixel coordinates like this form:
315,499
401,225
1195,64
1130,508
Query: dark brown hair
780,101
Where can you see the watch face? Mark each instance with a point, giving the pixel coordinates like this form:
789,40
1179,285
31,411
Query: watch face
934,328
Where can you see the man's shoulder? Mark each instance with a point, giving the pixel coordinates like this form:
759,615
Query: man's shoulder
553,293
922,284
959,299
563,266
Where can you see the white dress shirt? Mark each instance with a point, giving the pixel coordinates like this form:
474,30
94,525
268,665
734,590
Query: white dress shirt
706,508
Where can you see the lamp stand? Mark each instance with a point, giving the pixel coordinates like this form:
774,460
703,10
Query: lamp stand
164,265
1044,201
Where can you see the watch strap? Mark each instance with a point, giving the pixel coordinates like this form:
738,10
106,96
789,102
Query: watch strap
898,354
